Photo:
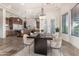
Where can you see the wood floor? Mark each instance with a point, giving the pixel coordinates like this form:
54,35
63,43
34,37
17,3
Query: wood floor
13,46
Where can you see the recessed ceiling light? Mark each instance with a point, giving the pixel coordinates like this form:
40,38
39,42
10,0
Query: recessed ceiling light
22,3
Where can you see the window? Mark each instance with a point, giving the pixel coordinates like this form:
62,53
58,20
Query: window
75,21
52,26
65,23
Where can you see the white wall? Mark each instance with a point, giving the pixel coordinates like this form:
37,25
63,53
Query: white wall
67,37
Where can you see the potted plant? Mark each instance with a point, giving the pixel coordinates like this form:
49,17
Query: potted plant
42,31
57,29
57,32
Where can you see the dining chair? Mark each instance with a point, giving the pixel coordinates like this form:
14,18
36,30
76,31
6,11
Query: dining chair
56,43
27,41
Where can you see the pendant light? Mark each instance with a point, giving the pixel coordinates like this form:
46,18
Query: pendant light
42,15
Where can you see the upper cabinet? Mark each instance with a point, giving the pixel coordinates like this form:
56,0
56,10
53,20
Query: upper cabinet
16,20
13,20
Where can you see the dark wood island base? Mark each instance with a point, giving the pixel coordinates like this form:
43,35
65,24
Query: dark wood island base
40,46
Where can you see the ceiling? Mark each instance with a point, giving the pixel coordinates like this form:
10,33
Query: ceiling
34,9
